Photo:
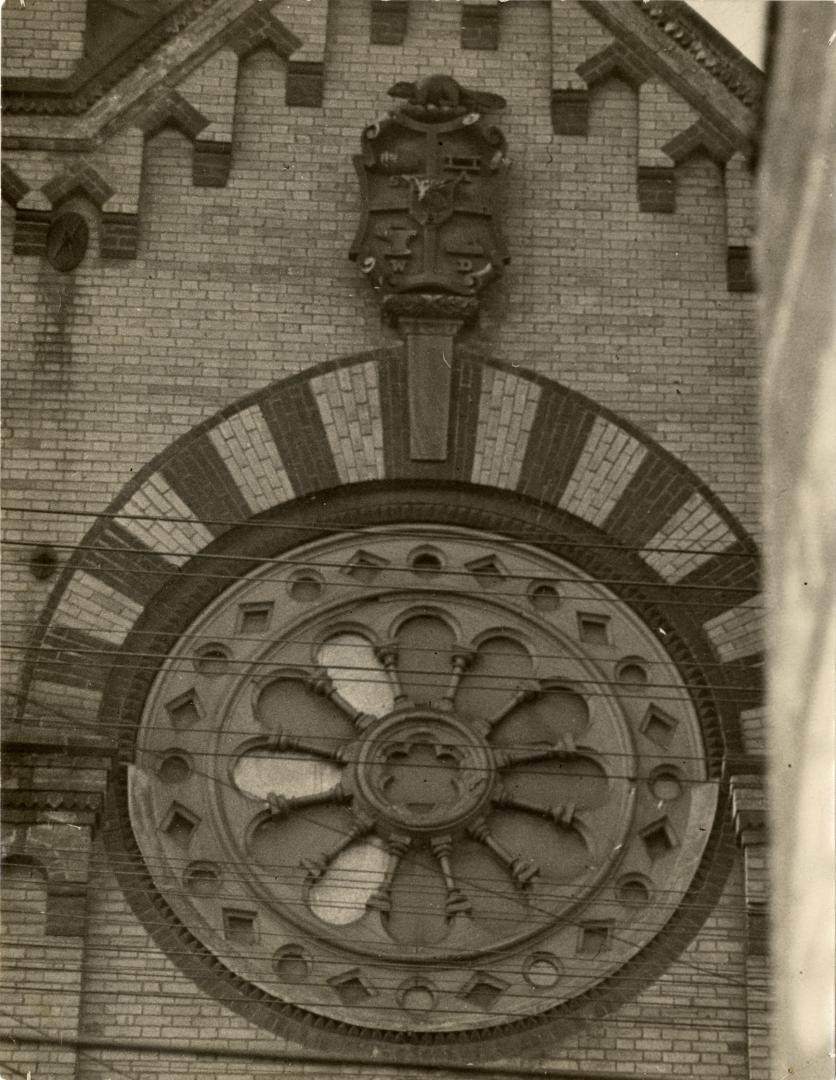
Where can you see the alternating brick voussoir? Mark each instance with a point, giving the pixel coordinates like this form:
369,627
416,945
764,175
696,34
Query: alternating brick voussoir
507,408
345,422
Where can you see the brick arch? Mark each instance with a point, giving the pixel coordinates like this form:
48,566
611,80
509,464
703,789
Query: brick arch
346,423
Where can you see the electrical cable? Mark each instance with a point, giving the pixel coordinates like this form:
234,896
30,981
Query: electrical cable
370,1066
730,692
202,639
126,867
465,881
544,536
62,1042
529,771
378,1007
390,568
97,726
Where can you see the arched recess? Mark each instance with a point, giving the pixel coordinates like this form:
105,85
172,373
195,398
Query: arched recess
516,438
328,451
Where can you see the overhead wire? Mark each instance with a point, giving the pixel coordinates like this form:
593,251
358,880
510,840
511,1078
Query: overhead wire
97,726
127,868
253,1056
389,568
168,663
543,534
202,639
464,880
378,1007
62,1042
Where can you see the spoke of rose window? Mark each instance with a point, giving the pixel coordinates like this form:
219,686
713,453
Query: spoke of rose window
280,741
525,693
462,658
317,866
561,813
564,747
523,871
322,683
282,805
387,654
396,847
457,902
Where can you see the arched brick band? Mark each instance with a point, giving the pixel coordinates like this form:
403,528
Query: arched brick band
346,422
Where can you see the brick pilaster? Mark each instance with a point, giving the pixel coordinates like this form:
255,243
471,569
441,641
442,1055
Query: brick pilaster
749,810
52,797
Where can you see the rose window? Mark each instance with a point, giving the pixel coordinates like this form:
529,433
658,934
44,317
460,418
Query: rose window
427,779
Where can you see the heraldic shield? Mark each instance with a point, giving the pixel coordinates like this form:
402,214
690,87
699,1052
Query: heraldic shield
432,179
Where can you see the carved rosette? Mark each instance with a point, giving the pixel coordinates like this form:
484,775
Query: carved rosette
431,177
428,788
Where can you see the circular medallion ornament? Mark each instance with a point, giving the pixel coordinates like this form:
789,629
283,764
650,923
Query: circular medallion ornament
67,241
423,795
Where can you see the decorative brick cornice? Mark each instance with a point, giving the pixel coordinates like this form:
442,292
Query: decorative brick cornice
710,49
211,163
701,137
172,109
39,783
305,83
387,23
740,271
31,227
480,26
94,77
656,188
258,27
697,83
570,112
616,60
84,180
748,808
119,236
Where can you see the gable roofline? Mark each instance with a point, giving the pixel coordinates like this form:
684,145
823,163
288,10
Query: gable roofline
708,47
690,65
92,79
94,76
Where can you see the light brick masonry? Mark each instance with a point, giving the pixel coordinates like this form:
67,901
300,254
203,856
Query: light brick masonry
608,462
506,414
186,352
349,404
175,538
89,604
249,452
738,632
696,529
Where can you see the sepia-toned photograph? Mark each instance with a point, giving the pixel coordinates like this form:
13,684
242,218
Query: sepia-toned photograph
418,540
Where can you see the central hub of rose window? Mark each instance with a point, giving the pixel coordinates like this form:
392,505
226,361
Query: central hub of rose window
425,773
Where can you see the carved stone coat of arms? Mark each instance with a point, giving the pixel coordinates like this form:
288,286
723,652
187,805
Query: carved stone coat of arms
432,177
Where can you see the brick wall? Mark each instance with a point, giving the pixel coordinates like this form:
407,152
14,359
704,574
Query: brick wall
41,38
236,286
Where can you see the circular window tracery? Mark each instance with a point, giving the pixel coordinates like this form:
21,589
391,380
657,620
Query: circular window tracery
428,783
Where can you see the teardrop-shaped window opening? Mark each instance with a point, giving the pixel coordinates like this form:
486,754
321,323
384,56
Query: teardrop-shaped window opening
260,773
340,896
357,674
